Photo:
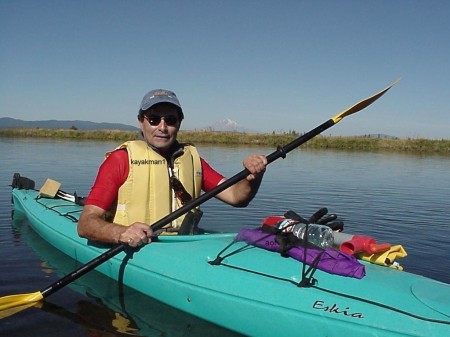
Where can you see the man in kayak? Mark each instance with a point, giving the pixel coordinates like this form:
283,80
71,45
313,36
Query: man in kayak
142,181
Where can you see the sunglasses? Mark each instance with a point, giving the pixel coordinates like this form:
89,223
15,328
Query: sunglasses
154,120
180,191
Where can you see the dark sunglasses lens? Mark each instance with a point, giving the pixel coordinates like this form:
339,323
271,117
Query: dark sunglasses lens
155,120
171,120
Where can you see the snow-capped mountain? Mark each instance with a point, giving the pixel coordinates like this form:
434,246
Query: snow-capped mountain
226,125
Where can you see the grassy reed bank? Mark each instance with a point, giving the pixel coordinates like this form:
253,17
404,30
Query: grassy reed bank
105,135
423,146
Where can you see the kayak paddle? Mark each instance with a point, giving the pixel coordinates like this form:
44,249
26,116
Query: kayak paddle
19,302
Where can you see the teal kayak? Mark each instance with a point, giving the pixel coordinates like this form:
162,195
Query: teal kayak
254,292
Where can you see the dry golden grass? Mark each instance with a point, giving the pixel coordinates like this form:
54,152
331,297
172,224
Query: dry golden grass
418,145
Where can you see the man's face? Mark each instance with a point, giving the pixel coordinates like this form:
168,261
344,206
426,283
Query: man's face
160,126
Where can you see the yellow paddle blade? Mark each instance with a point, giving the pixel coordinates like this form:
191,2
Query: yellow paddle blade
11,311
361,105
13,301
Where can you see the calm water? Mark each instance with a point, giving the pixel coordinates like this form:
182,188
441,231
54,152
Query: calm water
399,199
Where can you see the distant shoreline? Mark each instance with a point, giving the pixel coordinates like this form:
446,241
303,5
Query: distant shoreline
368,144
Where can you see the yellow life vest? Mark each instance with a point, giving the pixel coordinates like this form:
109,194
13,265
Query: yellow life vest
146,196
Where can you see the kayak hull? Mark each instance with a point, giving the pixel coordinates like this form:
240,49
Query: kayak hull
254,292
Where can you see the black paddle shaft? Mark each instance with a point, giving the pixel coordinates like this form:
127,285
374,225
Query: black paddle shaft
280,152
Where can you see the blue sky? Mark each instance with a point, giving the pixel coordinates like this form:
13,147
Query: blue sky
268,65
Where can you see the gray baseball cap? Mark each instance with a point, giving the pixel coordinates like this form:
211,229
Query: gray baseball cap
160,96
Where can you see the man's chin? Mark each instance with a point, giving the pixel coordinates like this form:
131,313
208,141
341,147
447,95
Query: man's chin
162,144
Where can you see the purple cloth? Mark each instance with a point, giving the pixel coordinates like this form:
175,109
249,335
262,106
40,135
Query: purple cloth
332,260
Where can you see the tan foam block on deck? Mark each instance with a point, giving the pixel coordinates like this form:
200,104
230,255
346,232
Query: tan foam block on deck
49,189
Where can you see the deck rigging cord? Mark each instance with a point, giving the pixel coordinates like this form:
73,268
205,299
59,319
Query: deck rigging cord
307,279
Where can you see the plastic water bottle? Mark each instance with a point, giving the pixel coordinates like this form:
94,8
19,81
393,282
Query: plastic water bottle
318,235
